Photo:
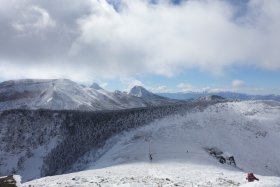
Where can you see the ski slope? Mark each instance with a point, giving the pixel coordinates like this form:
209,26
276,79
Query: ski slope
248,130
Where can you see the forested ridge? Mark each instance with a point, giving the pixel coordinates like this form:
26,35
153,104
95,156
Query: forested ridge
77,132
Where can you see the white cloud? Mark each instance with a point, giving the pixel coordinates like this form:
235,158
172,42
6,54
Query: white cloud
160,89
44,20
130,83
34,19
238,83
162,39
185,87
104,84
139,38
45,71
217,89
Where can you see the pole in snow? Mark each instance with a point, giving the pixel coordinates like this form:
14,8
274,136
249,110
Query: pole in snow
150,154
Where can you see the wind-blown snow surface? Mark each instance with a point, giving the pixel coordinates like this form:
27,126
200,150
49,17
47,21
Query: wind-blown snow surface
250,131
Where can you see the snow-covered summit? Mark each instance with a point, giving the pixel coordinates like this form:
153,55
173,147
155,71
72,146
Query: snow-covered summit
44,93
140,91
96,86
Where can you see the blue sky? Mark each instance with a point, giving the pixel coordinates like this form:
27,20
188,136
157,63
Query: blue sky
166,46
254,81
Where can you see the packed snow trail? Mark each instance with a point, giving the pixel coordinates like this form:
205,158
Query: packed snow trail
250,131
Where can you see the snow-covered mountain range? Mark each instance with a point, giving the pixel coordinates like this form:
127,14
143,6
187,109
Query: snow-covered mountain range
64,94
177,142
227,95
155,141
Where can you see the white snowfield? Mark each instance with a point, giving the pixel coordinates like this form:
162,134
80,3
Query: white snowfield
248,130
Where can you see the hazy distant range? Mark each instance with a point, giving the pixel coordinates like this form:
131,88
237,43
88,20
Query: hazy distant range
227,95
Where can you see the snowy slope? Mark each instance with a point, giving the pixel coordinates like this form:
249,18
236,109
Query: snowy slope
64,94
37,143
250,131
25,141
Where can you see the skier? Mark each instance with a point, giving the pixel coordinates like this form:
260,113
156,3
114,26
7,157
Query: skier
251,177
151,158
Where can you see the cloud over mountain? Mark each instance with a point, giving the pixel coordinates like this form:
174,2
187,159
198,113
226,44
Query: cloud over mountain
135,37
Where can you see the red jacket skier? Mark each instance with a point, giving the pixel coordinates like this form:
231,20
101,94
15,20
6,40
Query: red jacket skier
251,177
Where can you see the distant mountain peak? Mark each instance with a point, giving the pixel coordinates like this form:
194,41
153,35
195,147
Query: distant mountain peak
96,86
140,91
